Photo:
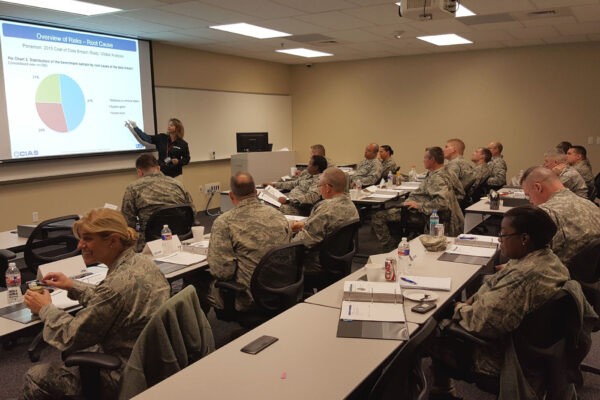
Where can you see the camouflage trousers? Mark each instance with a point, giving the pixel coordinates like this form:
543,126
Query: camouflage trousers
55,381
381,220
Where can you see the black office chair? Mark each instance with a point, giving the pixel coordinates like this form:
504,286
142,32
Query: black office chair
180,320
5,257
548,344
179,218
335,254
403,377
51,240
277,284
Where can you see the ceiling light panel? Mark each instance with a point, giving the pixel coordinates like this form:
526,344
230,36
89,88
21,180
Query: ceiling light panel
70,6
302,52
250,30
449,39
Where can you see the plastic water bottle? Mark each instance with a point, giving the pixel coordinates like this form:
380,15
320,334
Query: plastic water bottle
412,174
404,255
167,240
358,185
398,178
13,283
390,180
434,220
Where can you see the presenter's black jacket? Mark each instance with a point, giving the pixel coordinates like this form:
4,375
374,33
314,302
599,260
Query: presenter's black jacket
177,149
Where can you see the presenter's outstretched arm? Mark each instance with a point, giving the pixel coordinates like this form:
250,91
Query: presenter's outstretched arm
140,135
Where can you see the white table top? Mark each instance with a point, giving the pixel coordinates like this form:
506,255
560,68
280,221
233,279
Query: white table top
483,207
317,364
425,264
11,241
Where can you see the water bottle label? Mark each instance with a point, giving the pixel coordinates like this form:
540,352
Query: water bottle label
14,280
166,237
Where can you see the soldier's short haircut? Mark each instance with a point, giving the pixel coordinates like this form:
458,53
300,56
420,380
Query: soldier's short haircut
498,146
533,221
242,185
387,148
556,155
146,162
563,146
537,174
436,153
580,150
487,154
320,162
459,144
318,149
336,178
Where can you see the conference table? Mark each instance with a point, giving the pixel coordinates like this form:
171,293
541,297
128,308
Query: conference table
308,360
480,211
9,240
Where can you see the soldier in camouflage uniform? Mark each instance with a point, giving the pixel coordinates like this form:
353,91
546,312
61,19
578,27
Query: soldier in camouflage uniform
530,278
577,158
368,172
497,166
453,152
114,312
481,172
304,191
315,150
150,192
387,163
434,193
577,219
327,216
239,238
570,178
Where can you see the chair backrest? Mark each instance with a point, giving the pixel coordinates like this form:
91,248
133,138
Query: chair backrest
277,282
548,344
585,266
403,377
597,186
179,218
186,337
337,250
50,241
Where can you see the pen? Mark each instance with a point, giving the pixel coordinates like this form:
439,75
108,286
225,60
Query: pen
467,237
408,280
350,309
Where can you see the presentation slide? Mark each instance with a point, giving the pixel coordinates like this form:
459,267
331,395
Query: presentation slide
69,93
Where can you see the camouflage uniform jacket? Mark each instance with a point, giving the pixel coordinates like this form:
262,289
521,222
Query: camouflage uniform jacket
388,166
435,193
506,298
571,179
498,171
585,170
239,238
325,218
303,190
463,169
147,194
577,221
368,172
454,183
115,311
481,172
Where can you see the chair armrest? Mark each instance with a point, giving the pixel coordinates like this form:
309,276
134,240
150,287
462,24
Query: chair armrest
92,359
230,285
7,254
458,331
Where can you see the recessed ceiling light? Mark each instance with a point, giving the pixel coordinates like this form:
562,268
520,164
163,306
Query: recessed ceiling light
445,40
70,6
463,11
302,52
250,30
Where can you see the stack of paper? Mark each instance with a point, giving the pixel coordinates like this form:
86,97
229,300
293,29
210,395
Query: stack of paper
476,251
271,196
182,258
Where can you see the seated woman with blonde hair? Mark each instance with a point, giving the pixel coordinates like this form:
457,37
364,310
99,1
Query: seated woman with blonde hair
114,312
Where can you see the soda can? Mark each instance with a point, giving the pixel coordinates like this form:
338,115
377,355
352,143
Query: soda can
390,269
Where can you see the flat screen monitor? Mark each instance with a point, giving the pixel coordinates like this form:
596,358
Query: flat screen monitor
252,141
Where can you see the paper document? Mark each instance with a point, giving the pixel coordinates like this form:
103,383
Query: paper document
182,258
367,311
472,251
297,218
408,186
387,292
425,282
479,238
271,196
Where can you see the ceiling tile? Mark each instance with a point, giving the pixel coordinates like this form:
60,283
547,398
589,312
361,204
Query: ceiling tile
534,33
355,36
215,15
293,26
381,15
579,29
522,42
165,18
487,36
498,6
567,39
262,9
587,13
334,20
315,6
542,4
548,21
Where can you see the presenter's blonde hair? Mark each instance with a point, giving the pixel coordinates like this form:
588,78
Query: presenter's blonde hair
104,222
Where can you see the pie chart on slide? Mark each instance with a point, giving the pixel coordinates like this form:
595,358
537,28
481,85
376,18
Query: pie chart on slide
60,102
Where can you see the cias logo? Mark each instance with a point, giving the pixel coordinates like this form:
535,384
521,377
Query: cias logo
29,153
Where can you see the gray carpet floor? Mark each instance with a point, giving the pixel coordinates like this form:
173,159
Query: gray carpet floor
14,362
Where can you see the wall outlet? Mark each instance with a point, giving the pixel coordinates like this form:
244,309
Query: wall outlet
35,216
590,140
214,187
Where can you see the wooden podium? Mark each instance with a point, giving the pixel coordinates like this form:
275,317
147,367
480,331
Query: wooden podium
266,166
